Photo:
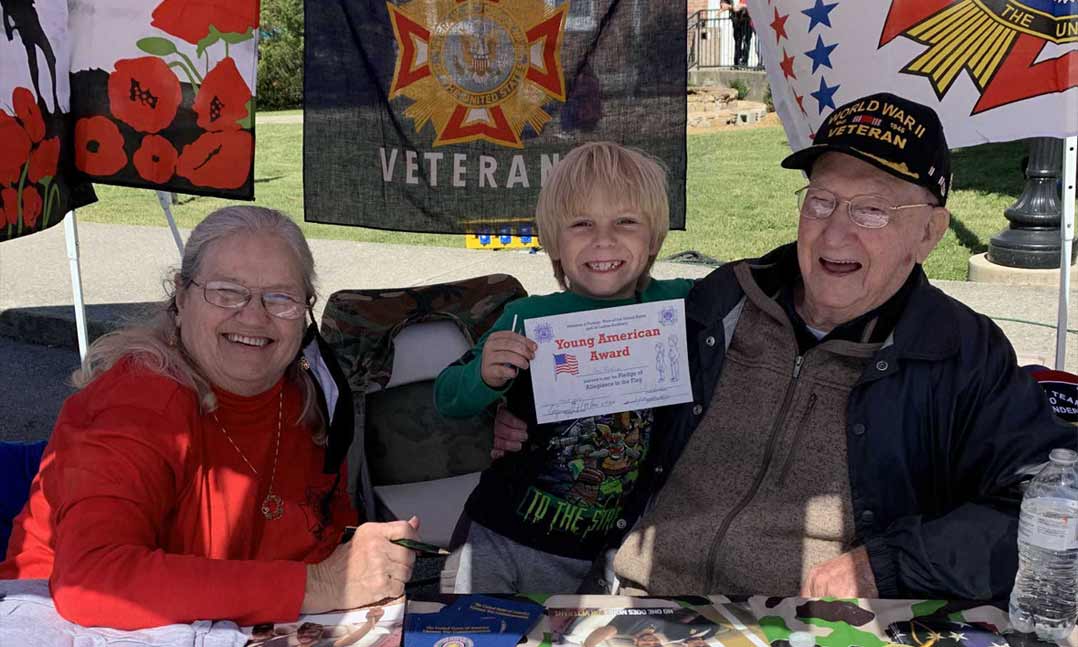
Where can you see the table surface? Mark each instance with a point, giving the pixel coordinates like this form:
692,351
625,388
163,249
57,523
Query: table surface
26,612
762,621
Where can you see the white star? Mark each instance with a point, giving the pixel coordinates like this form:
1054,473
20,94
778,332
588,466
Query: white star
954,635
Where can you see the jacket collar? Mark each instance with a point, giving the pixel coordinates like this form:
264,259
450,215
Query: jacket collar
928,328
917,335
713,296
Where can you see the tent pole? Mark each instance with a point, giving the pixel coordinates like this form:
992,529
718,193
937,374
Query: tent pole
1067,233
165,198
71,235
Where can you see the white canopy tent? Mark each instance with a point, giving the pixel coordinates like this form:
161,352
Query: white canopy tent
1066,230
71,235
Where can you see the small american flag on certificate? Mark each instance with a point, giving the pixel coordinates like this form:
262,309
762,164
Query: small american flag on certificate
565,363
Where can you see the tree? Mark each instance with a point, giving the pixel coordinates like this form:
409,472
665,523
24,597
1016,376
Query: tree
280,55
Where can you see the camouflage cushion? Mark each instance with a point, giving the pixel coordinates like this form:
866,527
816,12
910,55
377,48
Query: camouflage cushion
360,324
407,441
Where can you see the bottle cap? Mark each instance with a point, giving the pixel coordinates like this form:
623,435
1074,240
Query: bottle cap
1064,456
802,639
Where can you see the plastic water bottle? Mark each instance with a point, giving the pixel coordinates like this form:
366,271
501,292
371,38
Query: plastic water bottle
1045,595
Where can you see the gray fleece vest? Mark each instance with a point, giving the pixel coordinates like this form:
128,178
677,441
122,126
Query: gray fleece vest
761,493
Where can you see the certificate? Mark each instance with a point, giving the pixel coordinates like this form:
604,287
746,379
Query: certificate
608,361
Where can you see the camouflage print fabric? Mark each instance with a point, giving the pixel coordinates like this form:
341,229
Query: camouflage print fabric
769,622
399,437
876,623
408,441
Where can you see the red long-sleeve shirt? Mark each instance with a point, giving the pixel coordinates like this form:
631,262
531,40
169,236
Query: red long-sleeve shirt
143,512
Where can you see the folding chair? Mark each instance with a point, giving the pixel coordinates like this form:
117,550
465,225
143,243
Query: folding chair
406,459
18,466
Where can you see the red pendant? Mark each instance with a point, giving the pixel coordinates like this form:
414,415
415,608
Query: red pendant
272,507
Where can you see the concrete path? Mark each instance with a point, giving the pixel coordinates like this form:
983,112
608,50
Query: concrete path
124,267
278,119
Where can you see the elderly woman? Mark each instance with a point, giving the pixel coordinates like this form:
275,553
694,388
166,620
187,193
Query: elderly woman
184,480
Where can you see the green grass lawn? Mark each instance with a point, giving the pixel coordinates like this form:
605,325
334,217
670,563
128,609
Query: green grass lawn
740,202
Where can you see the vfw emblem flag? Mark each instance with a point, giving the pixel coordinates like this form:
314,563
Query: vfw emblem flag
483,73
447,115
994,70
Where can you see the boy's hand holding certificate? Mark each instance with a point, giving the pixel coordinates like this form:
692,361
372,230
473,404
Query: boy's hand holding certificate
611,360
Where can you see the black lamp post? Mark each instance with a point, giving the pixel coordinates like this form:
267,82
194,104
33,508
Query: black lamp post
1032,241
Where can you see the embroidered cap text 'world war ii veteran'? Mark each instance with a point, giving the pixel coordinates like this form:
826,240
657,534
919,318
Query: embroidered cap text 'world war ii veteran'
896,135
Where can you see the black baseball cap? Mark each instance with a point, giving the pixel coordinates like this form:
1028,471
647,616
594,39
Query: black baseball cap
896,135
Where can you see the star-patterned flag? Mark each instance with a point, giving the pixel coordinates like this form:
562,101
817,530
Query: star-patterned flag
447,115
943,632
994,70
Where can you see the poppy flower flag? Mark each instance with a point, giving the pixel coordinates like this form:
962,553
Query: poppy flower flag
37,182
162,94
994,70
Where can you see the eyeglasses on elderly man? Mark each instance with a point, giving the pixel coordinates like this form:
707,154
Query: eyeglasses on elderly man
868,211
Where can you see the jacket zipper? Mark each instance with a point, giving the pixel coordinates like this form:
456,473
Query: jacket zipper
769,450
796,440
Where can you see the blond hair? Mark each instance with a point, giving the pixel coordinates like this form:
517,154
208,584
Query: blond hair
154,342
633,178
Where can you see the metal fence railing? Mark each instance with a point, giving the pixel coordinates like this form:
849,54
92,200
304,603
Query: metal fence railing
713,39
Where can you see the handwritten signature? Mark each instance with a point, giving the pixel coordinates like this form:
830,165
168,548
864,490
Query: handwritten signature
577,406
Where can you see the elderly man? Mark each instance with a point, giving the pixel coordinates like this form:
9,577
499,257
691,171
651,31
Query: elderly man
855,431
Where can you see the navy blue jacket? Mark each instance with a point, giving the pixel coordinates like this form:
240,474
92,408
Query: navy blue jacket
943,428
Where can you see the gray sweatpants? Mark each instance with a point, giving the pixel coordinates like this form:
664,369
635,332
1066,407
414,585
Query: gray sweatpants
491,563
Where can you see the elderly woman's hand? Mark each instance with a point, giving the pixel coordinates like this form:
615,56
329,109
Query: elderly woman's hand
363,571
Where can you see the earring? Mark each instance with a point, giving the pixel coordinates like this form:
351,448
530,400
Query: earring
304,363
174,336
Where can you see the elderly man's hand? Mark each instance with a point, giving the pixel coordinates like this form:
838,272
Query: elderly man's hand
510,432
847,576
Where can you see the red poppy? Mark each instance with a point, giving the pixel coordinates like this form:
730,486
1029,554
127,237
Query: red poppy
31,207
144,93
218,160
155,159
99,146
9,207
28,112
222,99
15,149
43,159
191,19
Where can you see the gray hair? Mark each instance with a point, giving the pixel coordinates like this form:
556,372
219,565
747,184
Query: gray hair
154,343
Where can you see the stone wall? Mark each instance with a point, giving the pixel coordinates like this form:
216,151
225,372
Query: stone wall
755,80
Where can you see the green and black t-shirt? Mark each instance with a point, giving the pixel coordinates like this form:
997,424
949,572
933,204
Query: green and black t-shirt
563,493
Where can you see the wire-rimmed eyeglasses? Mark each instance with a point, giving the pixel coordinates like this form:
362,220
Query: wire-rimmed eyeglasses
233,296
868,211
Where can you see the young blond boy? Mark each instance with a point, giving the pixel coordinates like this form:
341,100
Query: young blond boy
539,517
